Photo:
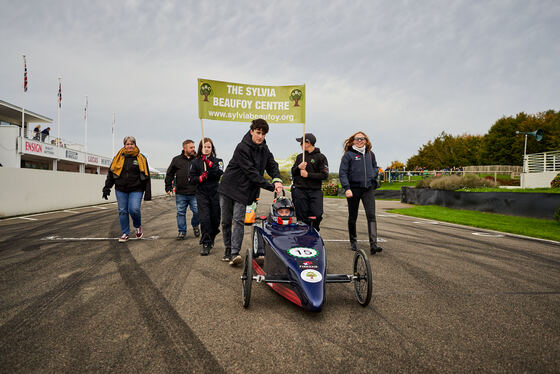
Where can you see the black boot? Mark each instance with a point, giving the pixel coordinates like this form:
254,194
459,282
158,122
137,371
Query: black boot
372,232
352,235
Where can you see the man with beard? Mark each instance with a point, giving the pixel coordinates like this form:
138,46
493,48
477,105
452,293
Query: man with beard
184,191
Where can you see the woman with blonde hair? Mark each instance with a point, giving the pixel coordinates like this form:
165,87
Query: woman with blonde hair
130,174
358,177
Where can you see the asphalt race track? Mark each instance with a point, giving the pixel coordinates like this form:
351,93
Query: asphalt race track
446,298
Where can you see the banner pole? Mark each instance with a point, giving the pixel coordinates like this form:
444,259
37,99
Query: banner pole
303,144
202,140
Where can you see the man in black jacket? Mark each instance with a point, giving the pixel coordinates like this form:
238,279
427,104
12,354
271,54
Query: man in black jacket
241,183
308,176
184,191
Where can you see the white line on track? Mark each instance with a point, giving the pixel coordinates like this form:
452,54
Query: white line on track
69,211
379,240
488,234
27,218
58,238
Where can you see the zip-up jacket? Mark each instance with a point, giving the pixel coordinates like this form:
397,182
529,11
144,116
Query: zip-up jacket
208,187
317,170
131,179
358,170
244,174
179,167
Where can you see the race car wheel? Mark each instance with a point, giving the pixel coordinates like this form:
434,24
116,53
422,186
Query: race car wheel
247,278
258,243
362,277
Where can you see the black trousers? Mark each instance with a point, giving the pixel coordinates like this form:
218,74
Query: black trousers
308,203
209,216
367,196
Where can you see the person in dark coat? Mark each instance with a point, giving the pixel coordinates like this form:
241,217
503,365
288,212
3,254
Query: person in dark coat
308,176
241,183
130,174
178,170
45,133
358,177
206,170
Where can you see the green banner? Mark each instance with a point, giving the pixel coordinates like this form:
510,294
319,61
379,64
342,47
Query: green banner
239,102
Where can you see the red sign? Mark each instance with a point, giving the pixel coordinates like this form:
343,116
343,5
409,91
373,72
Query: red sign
33,147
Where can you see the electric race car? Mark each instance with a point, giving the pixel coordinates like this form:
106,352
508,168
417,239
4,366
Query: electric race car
290,257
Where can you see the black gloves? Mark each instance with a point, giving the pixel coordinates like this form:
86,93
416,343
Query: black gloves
106,193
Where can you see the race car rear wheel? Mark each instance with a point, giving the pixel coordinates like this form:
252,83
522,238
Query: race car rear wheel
362,277
247,278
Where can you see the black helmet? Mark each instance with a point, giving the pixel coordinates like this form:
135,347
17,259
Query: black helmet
282,203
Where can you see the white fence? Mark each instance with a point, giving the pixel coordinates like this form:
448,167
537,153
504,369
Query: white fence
26,191
542,162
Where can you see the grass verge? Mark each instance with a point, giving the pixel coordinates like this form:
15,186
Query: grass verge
534,227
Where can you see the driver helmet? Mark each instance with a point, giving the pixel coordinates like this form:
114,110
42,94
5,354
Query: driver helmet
282,211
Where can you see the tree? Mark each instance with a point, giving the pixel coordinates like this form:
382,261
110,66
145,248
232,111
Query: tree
296,96
447,151
206,90
397,165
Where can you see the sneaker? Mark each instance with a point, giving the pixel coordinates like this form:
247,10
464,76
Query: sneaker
353,246
205,250
226,258
235,260
139,232
260,260
123,238
181,236
196,231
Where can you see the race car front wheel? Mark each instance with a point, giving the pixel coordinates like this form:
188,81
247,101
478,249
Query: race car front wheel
247,278
362,277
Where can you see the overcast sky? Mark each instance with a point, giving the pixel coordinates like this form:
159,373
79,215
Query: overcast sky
401,71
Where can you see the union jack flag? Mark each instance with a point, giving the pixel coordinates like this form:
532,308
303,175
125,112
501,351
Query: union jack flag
59,94
24,75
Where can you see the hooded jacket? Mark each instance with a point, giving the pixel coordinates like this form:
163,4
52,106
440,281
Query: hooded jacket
179,167
317,170
244,174
358,170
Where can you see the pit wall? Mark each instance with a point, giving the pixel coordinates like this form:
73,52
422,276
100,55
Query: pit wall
28,191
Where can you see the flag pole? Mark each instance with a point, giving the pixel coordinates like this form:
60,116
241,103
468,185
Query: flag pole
113,135
85,132
58,116
24,88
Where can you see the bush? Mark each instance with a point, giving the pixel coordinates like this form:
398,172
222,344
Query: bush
455,182
330,189
555,182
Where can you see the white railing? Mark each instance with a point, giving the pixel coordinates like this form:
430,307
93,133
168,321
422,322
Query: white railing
52,139
541,162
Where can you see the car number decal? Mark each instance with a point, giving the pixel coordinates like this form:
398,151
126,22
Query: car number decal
311,276
302,252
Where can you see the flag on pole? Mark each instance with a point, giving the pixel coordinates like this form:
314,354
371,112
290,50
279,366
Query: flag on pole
24,74
59,94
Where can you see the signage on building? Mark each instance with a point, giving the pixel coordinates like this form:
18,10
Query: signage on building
71,154
94,159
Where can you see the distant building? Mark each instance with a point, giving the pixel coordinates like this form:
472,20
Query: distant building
21,148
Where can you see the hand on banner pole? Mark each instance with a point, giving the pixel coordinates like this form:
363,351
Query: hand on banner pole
203,176
207,161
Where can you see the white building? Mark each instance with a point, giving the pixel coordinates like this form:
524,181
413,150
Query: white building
26,148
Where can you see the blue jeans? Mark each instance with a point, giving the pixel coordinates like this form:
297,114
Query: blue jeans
182,201
129,204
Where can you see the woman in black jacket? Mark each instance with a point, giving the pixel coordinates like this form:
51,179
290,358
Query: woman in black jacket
358,177
130,174
205,172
